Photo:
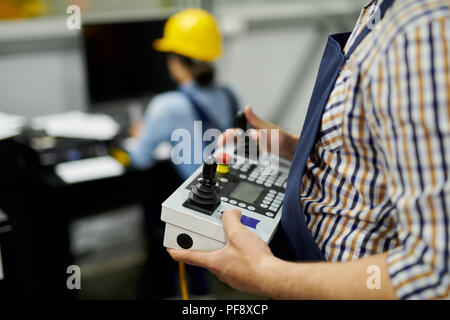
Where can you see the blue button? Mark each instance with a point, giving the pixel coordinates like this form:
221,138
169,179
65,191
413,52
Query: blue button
249,222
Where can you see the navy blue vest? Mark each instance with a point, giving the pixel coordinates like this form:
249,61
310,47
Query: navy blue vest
293,241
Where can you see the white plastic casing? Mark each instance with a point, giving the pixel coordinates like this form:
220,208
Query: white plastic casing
207,232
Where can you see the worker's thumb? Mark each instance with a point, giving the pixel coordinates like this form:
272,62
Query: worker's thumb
231,220
255,121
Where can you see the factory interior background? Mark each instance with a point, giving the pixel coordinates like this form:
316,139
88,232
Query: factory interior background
271,55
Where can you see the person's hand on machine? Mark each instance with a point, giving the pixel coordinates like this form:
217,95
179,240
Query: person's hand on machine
240,263
287,142
245,257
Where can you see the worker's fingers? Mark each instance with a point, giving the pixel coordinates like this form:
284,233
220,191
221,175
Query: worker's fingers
231,220
228,136
231,135
255,121
193,257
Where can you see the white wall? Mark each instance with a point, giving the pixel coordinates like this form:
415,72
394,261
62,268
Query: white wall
261,65
40,82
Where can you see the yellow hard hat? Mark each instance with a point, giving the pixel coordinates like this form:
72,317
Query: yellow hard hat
192,33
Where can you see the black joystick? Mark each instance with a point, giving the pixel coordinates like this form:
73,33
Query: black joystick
241,123
203,196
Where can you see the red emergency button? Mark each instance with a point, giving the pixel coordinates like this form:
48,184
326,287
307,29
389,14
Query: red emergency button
224,159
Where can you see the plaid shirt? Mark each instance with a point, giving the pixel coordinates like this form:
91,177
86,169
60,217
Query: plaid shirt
378,177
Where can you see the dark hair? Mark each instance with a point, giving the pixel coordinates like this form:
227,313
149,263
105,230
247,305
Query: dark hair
203,72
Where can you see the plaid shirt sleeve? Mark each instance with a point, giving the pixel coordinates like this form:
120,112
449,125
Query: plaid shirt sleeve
410,98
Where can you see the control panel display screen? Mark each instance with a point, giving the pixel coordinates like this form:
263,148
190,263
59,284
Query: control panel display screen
246,192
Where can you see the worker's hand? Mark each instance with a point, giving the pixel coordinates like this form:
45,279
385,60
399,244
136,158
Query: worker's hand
241,263
287,141
135,129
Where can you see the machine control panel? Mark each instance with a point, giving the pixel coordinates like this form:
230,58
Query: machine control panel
251,187
246,178
193,213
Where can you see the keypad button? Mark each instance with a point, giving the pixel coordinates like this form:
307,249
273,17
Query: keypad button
269,214
224,179
242,176
242,205
273,209
224,199
266,201
251,208
277,201
272,191
233,201
262,205
268,185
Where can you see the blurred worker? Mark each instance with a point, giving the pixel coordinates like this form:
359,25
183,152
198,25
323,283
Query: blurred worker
192,41
366,213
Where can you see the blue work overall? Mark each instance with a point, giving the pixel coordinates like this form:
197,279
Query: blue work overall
293,240
207,122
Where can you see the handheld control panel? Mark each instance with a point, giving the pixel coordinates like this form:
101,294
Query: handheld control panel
193,212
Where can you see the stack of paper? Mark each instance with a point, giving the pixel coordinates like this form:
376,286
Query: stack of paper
76,124
10,125
89,169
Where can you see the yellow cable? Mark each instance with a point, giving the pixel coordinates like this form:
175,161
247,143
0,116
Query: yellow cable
183,283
